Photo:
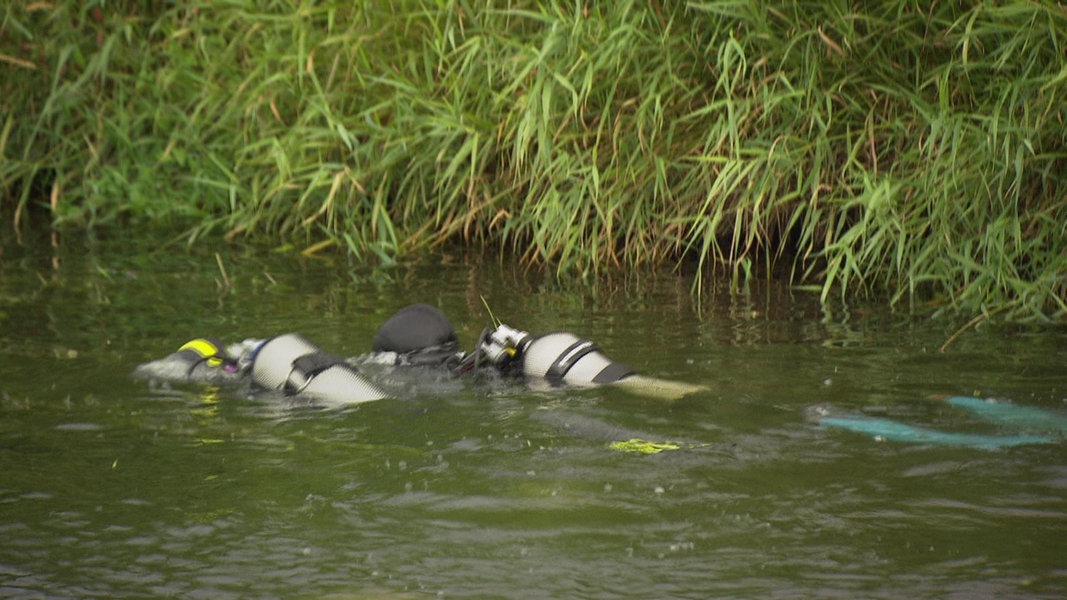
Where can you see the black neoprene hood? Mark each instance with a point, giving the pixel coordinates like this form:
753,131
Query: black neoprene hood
415,327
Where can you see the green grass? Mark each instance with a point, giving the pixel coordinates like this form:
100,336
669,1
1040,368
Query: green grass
884,149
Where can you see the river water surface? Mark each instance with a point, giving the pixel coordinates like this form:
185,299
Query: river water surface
116,487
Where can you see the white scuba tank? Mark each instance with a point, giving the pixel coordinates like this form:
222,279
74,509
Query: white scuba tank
563,357
292,364
559,357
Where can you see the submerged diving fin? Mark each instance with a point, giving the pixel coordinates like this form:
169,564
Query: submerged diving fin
660,389
1023,418
1012,415
890,430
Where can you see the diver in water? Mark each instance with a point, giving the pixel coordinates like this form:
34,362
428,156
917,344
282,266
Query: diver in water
416,336
421,335
420,342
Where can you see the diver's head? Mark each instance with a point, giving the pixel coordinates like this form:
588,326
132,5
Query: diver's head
199,360
204,351
419,332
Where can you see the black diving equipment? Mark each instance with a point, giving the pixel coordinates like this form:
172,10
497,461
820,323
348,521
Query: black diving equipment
294,365
503,347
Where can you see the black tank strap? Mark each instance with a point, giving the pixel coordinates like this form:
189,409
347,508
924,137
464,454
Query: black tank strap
566,359
316,362
310,365
612,373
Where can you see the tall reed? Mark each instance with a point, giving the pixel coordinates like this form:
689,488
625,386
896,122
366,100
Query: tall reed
886,148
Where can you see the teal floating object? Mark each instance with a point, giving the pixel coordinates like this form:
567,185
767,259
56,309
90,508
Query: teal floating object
1012,415
889,430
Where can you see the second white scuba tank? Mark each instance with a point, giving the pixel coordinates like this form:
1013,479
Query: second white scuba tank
559,358
292,364
563,357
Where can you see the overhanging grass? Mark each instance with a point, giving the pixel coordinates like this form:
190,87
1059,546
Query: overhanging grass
882,148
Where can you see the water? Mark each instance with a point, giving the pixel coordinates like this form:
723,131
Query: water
112,487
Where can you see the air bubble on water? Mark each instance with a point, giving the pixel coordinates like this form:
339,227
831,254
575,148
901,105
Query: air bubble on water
658,489
681,546
607,487
402,465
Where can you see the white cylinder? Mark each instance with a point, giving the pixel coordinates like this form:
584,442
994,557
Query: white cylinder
274,368
272,364
343,385
571,360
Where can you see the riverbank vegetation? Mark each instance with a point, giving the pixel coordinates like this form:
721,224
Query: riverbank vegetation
890,148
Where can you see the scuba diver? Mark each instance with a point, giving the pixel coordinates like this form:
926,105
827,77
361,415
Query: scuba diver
418,336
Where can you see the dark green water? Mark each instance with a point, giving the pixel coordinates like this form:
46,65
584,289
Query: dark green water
114,488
